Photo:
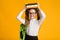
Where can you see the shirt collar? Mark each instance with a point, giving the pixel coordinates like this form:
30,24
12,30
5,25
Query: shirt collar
33,19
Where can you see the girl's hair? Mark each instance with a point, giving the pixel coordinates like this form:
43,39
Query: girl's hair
27,20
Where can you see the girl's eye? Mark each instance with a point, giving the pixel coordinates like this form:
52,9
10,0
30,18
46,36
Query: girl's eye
32,13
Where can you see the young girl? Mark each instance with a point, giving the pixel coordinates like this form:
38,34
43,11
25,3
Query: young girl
33,19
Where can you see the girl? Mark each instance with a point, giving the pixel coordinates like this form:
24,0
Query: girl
33,19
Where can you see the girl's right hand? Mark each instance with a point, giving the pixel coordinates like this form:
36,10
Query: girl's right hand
25,7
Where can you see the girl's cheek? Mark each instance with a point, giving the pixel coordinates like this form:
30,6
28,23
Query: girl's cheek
32,15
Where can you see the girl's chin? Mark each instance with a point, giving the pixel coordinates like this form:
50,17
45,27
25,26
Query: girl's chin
32,17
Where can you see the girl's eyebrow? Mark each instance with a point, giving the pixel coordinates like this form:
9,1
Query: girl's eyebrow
33,13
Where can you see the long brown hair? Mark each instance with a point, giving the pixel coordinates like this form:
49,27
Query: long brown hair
27,20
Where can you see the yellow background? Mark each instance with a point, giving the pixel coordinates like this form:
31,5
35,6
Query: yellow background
9,25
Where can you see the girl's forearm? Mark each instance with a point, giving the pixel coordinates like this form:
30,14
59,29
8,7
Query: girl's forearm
42,16
42,13
19,17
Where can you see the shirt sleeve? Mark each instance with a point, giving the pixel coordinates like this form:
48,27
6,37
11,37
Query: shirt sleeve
19,17
42,17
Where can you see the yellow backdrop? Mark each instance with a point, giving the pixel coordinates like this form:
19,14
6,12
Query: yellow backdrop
9,25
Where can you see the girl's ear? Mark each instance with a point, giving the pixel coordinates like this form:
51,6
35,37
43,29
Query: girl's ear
36,14
29,16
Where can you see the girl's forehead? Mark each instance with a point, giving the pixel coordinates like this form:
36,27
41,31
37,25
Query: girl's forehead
32,10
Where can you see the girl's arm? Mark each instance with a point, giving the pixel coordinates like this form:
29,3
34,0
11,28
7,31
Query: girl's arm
42,17
19,17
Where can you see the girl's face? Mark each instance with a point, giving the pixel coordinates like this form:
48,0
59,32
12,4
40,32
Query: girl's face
32,14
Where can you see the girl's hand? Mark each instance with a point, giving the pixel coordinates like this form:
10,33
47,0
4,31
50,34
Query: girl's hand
25,7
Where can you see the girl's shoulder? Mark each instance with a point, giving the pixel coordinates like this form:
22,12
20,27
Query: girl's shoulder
38,21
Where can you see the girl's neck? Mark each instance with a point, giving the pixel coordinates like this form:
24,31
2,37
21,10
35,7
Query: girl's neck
33,19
